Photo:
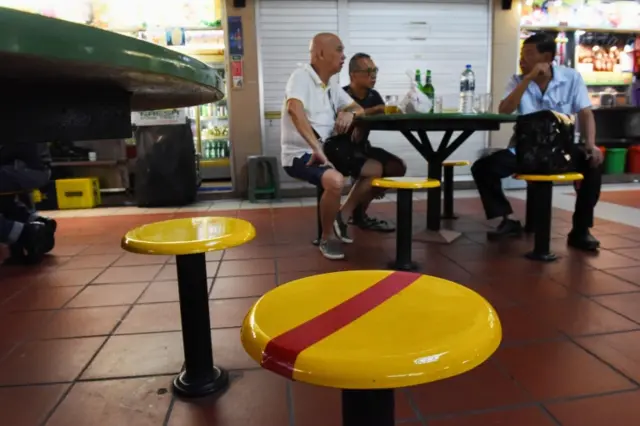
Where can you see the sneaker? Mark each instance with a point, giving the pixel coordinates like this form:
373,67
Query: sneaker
373,224
331,249
507,228
341,229
583,240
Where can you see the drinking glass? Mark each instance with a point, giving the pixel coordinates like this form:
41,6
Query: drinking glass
482,103
391,104
437,105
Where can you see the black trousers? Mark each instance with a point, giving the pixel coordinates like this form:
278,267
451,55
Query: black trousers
21,179
489,171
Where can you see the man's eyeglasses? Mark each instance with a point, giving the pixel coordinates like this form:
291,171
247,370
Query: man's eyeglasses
369,71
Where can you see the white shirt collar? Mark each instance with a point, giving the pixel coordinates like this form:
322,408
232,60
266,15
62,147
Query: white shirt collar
314,76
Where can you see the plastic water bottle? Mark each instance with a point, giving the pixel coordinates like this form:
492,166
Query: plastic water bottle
467,90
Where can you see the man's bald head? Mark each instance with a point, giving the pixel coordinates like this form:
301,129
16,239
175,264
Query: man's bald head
327,53
322,41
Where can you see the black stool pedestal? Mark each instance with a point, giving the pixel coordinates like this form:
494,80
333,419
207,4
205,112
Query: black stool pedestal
319,193
447,189
404,232
541,194
200,377
374,407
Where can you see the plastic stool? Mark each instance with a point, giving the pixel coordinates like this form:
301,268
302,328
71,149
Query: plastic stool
447,187
540,195
272,186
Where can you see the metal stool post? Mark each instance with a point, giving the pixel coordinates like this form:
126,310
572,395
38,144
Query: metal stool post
319,193
200,377
529,225
404,230
375,407
543,194
447,189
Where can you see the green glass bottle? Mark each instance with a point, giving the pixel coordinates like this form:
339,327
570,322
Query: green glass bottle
429,90
418,79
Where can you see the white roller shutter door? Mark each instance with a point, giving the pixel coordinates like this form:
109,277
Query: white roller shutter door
285,28
440,35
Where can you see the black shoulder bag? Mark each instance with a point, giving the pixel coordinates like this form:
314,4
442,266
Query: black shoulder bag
346,156
544,141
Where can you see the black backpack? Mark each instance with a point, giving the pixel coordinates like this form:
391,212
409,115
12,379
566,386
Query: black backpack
544,141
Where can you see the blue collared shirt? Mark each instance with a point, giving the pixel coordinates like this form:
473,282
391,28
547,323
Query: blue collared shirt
566,93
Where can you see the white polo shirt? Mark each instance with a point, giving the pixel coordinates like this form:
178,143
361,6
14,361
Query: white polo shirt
305,86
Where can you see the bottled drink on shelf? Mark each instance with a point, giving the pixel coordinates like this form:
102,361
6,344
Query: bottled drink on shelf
418,79
467,90
429,90
209,150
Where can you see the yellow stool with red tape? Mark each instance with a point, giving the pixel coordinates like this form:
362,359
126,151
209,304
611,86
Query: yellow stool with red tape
368,333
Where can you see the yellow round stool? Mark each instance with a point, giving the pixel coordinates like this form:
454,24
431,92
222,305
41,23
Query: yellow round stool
189,240
404,216
368,333
540,210
447,187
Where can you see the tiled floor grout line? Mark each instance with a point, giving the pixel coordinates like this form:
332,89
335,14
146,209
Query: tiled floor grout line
543,408
414,407
529,404
22,341
464,413
88,364
167,415
602,360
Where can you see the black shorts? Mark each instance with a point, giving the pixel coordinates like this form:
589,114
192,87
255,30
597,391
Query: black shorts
382,156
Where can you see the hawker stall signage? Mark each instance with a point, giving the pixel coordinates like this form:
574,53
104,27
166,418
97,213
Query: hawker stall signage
161,117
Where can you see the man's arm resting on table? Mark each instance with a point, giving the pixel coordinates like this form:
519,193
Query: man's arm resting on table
295,108
378,109
587,127
355,109
514,91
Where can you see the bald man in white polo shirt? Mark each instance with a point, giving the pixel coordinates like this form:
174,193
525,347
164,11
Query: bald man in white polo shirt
315,109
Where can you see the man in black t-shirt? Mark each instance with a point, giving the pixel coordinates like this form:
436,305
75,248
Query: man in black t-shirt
363,73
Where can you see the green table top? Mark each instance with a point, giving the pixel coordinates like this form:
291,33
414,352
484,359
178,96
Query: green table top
38,50
440,122
501,118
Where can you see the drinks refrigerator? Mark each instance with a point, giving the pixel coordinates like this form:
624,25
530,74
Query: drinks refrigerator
210,126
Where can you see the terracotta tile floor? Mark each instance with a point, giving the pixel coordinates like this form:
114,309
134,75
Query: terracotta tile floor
91,336
623,198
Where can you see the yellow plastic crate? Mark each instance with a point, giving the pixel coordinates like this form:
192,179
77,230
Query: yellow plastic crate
81,193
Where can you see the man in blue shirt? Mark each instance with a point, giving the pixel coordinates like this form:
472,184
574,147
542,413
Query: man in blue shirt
543,86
